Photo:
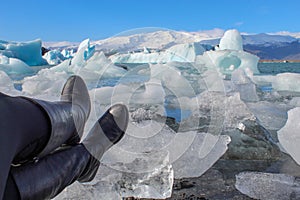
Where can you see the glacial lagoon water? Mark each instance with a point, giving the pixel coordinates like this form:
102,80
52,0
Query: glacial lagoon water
273,68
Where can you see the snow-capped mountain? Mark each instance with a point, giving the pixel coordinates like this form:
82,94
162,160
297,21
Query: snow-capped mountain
155,40
267,39
281,45
295,34
258,39
61,45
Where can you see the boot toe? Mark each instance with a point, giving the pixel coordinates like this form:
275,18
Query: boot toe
120,115
107,131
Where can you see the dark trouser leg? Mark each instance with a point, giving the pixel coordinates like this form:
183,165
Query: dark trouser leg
52,173
31,127
11,190
22,125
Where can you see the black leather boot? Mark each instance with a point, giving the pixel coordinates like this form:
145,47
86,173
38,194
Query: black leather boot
76,92
51,174
67,117
108,131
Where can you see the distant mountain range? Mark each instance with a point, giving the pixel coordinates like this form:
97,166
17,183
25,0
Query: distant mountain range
269,47
278,46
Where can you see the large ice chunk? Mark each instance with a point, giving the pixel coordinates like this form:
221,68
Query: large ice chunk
272,116
230,55
259,185
231,40
46,84
199,160
14,66
84,52
78,191
54,57
287,82
185,52
244,85
29,52
182,147
295,101
68,53
172,79
98,65
147,176
225,112
7,85
227,61
96,68
289,135
180,53
281,82
150,92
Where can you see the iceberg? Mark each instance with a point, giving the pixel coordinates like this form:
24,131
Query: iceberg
67,53
289,136
282,82
230,55
272,116
44,85
186,52
151,93
84,52
213,81
14,66
244,85
199,161
89,64
28,52
92,66
7,85
236,111
223,112
231,40
227,61
103,67
287,82
54,57
177,53
172,79
295,102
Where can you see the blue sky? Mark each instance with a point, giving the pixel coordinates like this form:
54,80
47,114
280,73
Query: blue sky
60,20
